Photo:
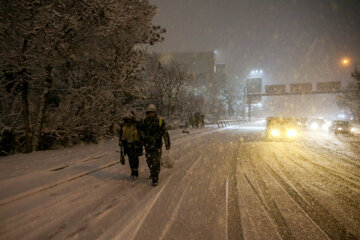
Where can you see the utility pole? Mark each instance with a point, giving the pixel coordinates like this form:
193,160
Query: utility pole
249,107
244,103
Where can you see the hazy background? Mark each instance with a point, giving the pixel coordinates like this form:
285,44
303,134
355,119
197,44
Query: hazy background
292,41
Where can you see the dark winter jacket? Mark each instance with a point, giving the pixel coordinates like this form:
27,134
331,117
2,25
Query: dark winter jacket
153,130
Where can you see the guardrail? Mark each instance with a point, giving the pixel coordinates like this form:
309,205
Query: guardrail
228,123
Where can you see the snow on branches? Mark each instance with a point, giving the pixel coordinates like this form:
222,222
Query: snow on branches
69,65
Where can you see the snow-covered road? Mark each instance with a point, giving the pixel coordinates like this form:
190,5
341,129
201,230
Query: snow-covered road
227,184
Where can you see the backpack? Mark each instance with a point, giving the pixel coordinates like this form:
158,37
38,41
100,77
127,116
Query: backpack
130,133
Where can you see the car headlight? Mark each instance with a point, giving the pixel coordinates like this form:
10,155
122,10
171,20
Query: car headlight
291,133
339,128
314,126
275,132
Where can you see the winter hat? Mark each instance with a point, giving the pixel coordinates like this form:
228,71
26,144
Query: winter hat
129,116
151,108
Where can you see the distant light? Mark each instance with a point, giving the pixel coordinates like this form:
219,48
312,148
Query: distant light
216,51
345,61
314,126
259,105
256,71
341,115
326,126
275,132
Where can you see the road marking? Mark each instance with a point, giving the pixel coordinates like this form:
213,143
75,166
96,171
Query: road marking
191,168
140,218
174,214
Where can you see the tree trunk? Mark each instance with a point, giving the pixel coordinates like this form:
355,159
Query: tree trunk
40,120
26,116
169,107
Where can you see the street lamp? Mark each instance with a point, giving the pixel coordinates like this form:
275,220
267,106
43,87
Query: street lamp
345,61
256,72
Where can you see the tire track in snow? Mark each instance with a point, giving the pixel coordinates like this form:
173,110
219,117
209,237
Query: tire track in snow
130,230
316,211
269,203
350,180
43,188
173,215
233,221
338,187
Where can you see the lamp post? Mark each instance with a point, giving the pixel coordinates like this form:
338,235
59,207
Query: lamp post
345,61
257,73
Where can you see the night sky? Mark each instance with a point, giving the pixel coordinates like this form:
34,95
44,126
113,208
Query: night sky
293,41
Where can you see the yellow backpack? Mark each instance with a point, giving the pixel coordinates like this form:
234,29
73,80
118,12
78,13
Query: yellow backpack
130,133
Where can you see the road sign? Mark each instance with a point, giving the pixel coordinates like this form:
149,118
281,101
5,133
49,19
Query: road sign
300,88
328,86
254,86
275,89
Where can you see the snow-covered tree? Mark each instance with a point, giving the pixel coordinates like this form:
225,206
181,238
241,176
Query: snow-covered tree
168,83
351,98
81,59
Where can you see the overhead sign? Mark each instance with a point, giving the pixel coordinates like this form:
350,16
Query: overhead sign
275,89
301,88
328,86
254,86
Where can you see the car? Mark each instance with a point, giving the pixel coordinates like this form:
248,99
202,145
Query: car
342,127
301,122
316,124
281,128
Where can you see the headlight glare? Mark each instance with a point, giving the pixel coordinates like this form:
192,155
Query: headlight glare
314,126
275,132
291,133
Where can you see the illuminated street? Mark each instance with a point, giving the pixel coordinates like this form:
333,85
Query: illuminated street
227,183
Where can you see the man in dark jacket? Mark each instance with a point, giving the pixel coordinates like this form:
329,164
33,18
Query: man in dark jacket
154,130
129,141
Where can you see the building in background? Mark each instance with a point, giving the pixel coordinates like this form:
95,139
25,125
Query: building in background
221,75
210,77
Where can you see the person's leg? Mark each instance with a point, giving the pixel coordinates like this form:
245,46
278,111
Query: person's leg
133,162
136,165
149,161
156,166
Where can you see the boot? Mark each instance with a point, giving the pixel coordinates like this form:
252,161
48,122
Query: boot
132,175
155,181
136,173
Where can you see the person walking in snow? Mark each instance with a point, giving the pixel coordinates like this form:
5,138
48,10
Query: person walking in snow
129,142
153,131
